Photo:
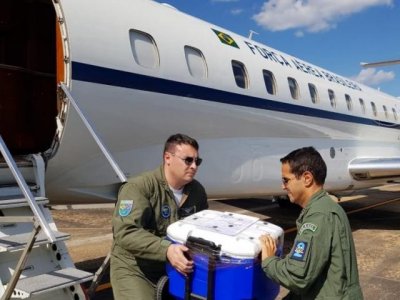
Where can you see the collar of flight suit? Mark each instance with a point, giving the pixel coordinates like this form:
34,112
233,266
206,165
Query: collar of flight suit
315,197
160,175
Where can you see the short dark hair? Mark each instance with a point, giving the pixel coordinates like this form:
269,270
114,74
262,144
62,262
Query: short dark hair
179,139
306,159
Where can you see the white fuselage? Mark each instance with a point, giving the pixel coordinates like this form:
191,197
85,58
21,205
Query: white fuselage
242,132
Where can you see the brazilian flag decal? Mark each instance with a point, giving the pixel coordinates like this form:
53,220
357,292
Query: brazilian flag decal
226,39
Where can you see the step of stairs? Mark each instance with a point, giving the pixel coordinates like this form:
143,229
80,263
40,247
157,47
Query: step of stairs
19,202
19,241
43,283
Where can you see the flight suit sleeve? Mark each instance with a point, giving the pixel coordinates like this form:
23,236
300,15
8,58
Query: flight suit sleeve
307,258
133,224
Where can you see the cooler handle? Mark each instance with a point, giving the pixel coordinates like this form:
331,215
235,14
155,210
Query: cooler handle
191,240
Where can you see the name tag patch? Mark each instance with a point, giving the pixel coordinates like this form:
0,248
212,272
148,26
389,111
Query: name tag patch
125,207
308,226
300,250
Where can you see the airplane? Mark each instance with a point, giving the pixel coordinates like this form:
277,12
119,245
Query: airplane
144,77
90,90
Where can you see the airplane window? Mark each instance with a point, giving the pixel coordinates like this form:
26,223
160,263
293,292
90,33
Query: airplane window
362,105
239,71
195,62
294,88
269,80
394,114
373,106
144,49
348,102
313,93
385,111
332,98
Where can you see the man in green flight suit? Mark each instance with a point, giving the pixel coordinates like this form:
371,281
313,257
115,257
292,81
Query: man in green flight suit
146,205
322,263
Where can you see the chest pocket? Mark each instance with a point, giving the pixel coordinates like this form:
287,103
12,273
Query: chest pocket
184,212
164,218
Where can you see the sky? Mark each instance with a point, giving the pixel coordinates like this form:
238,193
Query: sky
336,35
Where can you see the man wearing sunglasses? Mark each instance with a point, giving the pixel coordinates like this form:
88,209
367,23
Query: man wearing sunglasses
322,263
146,205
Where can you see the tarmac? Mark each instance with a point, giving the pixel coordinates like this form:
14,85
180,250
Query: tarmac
374,216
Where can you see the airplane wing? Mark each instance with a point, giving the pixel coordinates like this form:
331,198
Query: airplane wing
380,63
373,168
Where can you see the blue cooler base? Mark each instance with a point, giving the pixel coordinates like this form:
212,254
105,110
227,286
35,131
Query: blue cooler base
234,280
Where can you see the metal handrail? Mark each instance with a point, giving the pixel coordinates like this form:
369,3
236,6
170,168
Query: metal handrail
106,153
21,262
26,191
104,266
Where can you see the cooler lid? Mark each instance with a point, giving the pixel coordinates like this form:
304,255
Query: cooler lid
236,234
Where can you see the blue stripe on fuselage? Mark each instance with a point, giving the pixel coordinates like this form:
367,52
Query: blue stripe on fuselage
112,77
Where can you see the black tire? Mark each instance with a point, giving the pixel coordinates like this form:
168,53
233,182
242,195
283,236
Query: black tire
162,289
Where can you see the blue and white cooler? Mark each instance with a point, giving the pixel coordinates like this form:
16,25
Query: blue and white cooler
225,249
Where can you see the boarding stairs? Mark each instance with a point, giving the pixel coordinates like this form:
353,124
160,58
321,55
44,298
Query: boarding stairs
34,260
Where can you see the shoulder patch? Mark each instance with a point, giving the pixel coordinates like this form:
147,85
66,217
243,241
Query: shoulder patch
125,207
300,250
308,226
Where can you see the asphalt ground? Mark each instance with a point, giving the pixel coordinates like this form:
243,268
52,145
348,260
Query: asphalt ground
374,216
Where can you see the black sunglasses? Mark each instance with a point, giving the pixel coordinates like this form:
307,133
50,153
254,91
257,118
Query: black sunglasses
189,160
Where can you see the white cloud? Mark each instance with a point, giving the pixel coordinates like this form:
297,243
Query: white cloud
236,11
299,33
310,15
373,77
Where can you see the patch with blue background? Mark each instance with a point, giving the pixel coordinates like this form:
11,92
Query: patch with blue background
125,207
300,250
165,211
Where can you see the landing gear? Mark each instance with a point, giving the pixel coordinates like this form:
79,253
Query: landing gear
284,202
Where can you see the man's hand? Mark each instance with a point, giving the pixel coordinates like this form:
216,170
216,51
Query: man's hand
268,246
176,257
